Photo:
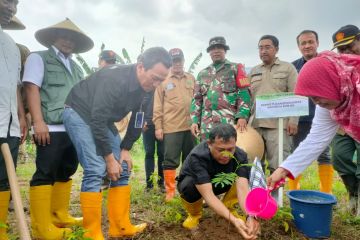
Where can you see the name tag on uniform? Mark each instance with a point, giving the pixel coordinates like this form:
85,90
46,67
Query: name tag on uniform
169,86
139,120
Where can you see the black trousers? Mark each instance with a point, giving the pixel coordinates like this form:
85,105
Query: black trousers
176,145
14,143
188,191
55,162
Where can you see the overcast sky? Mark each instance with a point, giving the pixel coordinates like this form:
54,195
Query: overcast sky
189,24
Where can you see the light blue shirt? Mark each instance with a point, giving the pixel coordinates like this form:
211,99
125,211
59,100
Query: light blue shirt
10,66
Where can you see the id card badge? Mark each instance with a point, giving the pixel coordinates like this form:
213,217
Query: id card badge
139,120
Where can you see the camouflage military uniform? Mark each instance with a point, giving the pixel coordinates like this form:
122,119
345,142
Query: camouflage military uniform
217,98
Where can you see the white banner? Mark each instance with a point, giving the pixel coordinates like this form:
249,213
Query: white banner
280,105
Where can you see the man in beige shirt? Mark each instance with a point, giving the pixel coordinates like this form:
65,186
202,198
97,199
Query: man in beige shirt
272,76
171,117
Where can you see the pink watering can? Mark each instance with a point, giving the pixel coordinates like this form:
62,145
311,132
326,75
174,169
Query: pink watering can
260,203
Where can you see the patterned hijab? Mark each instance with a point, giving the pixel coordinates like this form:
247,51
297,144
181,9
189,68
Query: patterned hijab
336,77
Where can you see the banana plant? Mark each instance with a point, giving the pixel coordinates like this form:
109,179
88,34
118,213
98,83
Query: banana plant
84,64
142,46
194,63
127,60
119,59
126,56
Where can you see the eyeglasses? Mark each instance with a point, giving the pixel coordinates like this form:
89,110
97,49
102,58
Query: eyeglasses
265,48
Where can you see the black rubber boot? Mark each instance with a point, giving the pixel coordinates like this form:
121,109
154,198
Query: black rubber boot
352,184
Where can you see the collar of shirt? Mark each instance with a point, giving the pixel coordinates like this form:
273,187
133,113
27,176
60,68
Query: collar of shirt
134,81
65,60
218,66
277,62
176,76
60,54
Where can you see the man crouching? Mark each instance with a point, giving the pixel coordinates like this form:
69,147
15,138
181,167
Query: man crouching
202,165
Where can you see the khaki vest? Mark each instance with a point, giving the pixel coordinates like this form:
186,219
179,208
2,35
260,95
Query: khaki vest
57,83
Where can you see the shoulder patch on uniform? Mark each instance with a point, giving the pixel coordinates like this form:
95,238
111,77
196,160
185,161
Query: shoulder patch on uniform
241,79
169,86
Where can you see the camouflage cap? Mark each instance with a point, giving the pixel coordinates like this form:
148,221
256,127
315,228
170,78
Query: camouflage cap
217,41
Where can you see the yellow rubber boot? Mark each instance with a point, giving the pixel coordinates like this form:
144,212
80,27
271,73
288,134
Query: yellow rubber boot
41,222
230,199
326,173
119,213
91,207
60,205
169,177
194,211
294,184
4,204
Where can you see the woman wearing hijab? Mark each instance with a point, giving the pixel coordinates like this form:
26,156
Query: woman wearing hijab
332,81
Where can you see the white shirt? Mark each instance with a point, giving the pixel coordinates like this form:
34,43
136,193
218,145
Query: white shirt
323,130
34,73
10,66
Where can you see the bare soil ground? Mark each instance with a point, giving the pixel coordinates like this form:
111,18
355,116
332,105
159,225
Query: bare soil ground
164,221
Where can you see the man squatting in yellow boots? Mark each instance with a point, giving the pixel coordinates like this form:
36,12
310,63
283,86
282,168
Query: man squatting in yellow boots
91,108
48,78
12,115
202,164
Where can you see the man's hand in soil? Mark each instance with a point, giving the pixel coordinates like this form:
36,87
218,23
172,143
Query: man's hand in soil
242,228
253,226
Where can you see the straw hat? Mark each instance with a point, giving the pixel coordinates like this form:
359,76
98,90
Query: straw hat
47,36
14,24
251,142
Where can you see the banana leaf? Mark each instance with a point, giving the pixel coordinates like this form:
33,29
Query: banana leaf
195,63
126,56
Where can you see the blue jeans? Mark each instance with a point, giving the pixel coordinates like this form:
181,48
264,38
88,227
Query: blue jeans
149,141
94,166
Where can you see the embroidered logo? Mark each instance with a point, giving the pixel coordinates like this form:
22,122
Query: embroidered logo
339,36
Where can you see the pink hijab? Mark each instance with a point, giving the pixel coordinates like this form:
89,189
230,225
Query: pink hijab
337,77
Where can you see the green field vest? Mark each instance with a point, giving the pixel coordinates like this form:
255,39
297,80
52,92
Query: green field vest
57,83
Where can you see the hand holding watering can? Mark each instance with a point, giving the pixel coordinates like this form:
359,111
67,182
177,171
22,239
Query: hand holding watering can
259,203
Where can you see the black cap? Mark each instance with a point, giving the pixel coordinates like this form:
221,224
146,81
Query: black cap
176,53
108,55
217,41
345,35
